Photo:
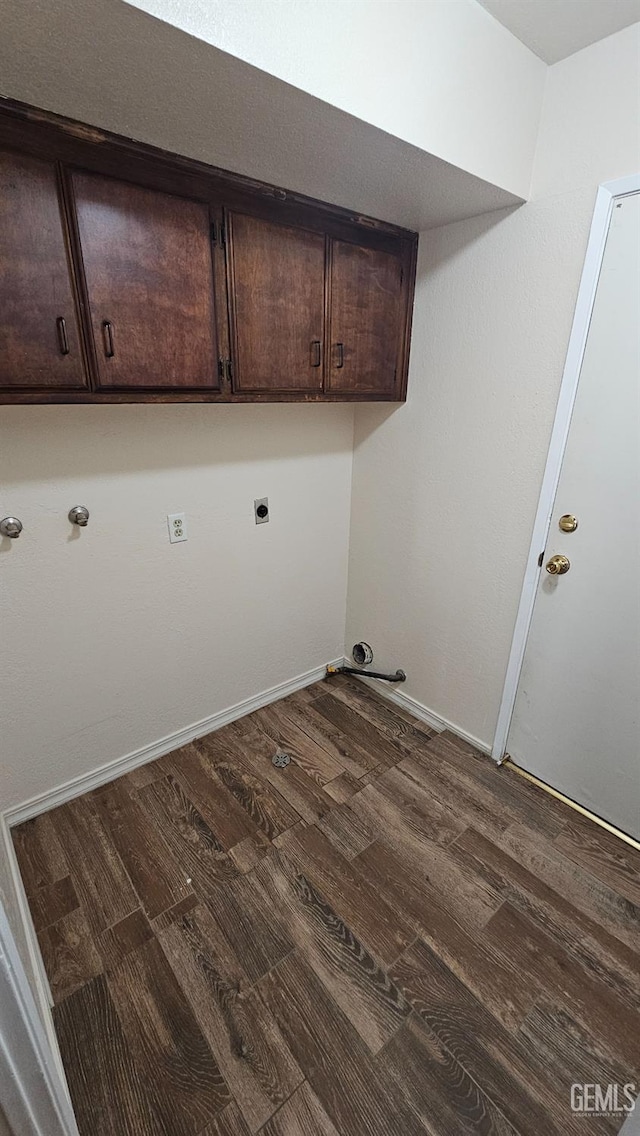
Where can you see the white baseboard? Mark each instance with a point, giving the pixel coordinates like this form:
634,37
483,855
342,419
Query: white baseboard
77,786
394,694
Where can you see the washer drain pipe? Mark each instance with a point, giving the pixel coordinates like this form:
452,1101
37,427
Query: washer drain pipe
399,676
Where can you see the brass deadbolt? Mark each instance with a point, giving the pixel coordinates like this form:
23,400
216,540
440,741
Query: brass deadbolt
557,565
568,523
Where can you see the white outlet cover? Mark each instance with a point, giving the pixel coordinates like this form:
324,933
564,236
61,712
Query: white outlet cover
177,524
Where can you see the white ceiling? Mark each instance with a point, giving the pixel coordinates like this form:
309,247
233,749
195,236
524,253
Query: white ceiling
557,28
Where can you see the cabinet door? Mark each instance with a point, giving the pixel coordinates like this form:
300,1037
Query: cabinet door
366,320
39,336
276,305
148,272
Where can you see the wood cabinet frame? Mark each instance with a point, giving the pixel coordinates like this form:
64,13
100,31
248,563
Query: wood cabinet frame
73,145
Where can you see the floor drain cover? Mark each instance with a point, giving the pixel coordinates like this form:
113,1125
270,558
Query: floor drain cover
280,759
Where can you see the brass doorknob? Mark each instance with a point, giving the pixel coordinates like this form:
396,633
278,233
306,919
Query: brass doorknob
557,565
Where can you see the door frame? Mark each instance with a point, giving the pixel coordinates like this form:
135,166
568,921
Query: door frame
33,1096
606,197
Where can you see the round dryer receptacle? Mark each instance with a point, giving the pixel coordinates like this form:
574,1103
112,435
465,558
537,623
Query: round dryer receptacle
281,759
362,654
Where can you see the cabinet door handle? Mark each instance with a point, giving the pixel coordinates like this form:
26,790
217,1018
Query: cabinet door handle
63,340
316,354
340,349
107,331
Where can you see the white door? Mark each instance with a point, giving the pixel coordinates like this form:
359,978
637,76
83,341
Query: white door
576,722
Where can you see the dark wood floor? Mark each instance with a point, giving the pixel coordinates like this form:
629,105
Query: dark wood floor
390,936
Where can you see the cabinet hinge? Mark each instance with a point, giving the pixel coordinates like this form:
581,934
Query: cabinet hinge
225,369
218,235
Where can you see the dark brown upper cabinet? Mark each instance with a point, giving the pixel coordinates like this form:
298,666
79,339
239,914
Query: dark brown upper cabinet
365,320
147,266
276,305
131,275
40,345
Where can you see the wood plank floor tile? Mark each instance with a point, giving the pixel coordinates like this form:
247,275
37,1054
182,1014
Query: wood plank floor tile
226,819
508,790
346,750
187,1087
561,978
389,936
69,955
348,834
381,747
249,1049
364,691
228,1123
269,811
385,716
297,787
161,922
142,776
99,876
489,1054
447,1101
472,899
605,856
350,894
484,971
401,791
282,840
157,878
302,1115
251,851
107,1090
372,775
557,1041
257,933
343,787
474,803
278,722
338,1067
575,883
40,856
193,846
353,978
607,958
52,903
116,942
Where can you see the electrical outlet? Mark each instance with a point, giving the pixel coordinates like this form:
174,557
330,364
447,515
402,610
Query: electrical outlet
261,510
177,523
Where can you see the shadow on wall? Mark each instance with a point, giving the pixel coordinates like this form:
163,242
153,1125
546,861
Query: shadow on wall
432,255
116,68
46,443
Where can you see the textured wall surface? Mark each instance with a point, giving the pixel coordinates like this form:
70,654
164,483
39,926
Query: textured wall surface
445,488
123,70
114,637
444,75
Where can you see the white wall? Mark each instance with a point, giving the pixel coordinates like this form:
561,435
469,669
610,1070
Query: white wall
112,637
125,71
445,488
443,75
